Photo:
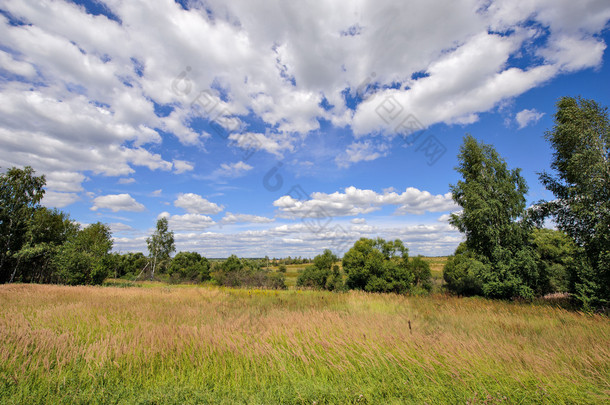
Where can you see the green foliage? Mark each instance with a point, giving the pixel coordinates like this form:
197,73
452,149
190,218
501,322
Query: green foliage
236,272
160,246
189,266
581,165
313,277
378,266
334,282
84,258
20,194
130,265
422,276
282,268
556,252
47,230
497,245
319,275
463,273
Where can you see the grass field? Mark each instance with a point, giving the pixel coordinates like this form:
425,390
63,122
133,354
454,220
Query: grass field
189,344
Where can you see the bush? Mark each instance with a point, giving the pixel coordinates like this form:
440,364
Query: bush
422,276
189,266
320,276
463,272
378,266
235,272
84,258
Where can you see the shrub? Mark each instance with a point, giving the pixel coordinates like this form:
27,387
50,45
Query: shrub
378,266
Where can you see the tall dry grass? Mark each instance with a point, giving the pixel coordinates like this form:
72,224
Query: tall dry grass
177,345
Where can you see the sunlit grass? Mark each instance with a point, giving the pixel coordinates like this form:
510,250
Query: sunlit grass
170,344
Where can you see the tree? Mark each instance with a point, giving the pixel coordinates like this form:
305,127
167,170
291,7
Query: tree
160,244
20,194
422,276
556,253
189,265
581,185
130,265
378,266
84,258
47,231
492,198
323,274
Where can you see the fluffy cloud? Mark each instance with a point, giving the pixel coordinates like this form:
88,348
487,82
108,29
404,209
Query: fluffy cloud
195,204
527,117
273,143
231,170
361,151
59,200
231,218
181,166
117,202
355,201
188,222
91,98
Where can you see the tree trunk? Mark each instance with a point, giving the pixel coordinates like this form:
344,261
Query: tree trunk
152,274
15,269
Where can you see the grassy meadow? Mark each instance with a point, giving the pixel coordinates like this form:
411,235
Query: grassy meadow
156,343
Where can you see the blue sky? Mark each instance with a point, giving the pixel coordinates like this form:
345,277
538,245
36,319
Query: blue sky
265,128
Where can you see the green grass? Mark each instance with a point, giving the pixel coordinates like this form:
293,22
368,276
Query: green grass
173,344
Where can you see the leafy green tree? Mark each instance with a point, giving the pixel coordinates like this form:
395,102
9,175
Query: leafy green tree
556,253
46,232
189,266
160,244
422,276
282,268
464,273
334,282
492,198
130,265
377,265
320,275
580,183
20,194
233,263
326,260
83,259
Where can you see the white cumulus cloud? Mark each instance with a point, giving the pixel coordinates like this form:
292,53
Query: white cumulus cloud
117,202
527,117
196,204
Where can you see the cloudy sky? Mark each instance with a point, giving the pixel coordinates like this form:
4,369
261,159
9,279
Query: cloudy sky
283,128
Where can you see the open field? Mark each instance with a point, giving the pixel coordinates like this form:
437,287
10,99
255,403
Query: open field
175,344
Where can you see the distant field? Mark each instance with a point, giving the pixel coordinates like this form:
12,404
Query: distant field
188,344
